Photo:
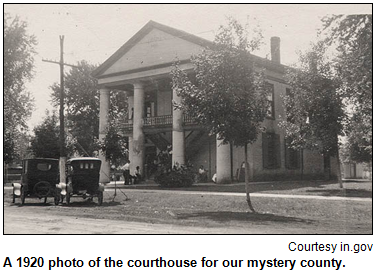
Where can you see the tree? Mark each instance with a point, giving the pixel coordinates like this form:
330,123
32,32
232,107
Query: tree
228,92
82,108
356,146
313,107
18,68
114,145
352,37
45,142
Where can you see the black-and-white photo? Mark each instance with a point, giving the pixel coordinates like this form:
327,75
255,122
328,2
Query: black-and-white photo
187,119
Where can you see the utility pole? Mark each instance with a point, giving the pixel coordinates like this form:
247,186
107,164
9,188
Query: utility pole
63,156
62,136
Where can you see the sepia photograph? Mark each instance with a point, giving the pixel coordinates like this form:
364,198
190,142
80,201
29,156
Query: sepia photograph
187,119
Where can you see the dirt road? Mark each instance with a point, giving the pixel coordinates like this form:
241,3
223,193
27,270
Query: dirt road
29,222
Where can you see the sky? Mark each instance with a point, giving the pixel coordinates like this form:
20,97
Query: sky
93,32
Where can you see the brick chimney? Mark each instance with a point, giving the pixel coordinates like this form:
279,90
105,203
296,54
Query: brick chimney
275,45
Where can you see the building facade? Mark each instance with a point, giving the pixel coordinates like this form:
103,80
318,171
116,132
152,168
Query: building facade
357,170
142,67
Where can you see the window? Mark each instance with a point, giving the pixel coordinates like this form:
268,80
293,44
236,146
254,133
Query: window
86,165
270,99
44,166
271,151
292,157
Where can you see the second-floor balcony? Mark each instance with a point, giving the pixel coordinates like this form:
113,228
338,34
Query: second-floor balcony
156,122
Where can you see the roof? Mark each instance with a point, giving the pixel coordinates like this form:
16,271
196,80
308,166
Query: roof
83,158
178,33
41,159
142,33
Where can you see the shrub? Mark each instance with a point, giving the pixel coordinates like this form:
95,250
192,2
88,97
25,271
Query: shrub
176,177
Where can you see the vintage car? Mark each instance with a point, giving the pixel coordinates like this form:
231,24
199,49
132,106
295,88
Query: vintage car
82,179
38,179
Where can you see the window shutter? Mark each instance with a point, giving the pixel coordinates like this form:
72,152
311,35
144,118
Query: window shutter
265,150
277,147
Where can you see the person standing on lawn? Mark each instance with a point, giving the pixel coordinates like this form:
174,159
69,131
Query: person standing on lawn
137,175
125,169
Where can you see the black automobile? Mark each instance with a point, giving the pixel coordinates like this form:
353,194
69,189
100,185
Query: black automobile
82,179
38,179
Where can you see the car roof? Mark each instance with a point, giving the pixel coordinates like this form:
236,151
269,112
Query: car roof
41,158
83,158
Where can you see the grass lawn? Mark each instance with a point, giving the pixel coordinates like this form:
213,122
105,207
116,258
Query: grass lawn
351,188
275,215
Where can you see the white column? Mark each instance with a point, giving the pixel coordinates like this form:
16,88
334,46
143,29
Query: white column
223,162
178,138
104,107
138,142
130,120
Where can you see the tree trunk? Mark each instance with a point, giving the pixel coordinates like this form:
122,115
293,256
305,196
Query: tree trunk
301,164
246,180
5,173
339,174
327,166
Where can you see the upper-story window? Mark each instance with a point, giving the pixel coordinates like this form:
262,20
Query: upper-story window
270,98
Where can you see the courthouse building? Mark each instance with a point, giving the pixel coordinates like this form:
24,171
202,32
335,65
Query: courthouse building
141,68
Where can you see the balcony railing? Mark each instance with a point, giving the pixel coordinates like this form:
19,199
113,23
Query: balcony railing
126,126
158,120
188,120
165,120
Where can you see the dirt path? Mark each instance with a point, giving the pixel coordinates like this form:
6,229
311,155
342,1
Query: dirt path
28,221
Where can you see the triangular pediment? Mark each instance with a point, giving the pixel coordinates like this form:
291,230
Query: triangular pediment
152,46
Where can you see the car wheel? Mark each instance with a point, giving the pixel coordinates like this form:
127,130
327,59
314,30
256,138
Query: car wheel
100,198
13,197
57,199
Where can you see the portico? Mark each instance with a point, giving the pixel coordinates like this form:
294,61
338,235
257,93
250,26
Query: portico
141,68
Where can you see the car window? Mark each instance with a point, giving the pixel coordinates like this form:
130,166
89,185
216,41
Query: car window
87,165
44,166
